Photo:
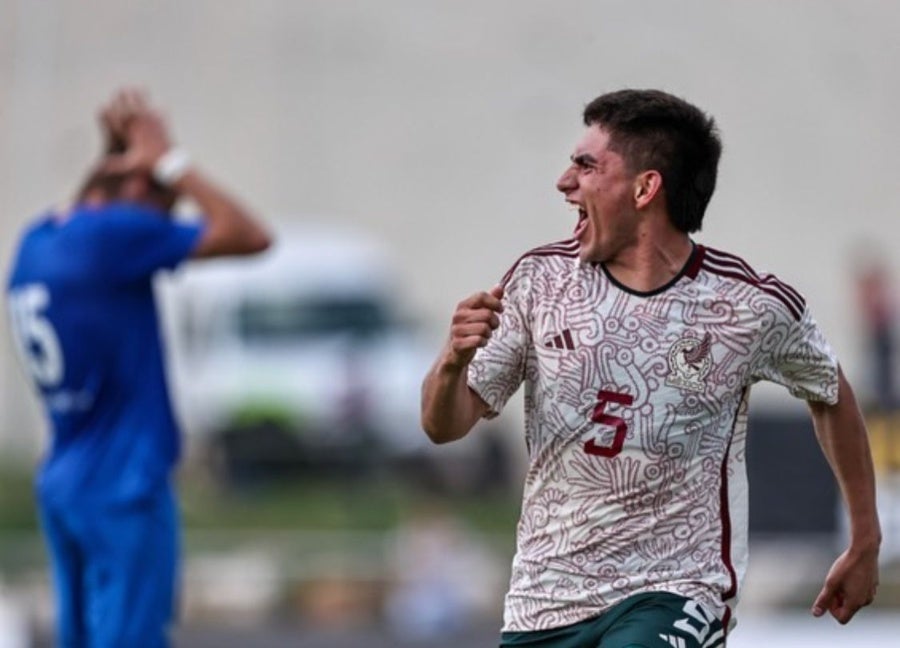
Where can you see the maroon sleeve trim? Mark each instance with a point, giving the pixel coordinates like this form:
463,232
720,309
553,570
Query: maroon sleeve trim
567,248
728,265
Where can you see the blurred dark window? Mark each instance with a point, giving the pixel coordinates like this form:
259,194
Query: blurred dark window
792,490
262,321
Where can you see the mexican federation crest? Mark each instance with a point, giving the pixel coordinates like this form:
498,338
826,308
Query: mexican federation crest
689,363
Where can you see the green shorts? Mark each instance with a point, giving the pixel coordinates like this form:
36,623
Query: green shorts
649,620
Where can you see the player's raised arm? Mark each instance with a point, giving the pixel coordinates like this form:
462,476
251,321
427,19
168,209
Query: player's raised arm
231,229
853,579
449,407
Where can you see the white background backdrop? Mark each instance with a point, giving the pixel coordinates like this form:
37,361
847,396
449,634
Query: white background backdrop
442,126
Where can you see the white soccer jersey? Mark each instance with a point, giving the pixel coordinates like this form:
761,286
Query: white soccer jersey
636,413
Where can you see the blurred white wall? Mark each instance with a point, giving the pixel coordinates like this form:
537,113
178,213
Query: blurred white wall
443,125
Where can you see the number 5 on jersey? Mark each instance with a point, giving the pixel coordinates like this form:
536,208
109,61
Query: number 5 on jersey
34,335
604,397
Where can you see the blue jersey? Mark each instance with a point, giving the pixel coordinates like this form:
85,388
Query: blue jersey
85,321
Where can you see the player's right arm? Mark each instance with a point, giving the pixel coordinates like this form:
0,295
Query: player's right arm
798,356
449,407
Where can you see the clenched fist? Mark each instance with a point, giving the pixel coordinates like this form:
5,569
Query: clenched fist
473,322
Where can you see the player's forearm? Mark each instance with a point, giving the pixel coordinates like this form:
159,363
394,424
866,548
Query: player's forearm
231,229
449,407
842,434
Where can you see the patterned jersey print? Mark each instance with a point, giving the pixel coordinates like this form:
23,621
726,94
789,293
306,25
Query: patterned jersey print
636,412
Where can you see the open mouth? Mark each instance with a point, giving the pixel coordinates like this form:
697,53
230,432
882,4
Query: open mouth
581,225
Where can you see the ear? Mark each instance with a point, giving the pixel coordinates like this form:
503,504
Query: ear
647,185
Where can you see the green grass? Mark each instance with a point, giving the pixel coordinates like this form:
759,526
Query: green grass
320,505
17,503
332,505
289,512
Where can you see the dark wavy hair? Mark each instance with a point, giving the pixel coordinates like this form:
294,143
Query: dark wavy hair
652,129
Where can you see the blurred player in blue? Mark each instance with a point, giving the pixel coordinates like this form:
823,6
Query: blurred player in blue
85,321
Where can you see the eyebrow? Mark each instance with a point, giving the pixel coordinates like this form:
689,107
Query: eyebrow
584,160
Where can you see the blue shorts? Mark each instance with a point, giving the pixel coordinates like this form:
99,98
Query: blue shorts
114,571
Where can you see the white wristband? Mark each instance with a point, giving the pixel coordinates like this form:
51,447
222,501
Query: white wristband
171,166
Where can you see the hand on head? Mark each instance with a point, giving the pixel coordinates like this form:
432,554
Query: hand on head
114,115
136,133
473,324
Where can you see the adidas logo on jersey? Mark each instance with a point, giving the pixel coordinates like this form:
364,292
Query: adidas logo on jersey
561,341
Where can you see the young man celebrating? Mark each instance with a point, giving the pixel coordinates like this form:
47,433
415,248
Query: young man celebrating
638,348
85,321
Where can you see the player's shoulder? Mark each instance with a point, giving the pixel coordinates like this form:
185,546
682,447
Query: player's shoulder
733,270
87,222
115,225
542,258
125,214
35,232
35,227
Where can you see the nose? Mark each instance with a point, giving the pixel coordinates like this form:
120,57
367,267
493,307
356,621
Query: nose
566,182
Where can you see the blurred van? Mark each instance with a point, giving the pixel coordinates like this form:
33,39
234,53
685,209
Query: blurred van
302,360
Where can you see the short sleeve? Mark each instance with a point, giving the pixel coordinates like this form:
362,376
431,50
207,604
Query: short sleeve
795,353
137,241
498,369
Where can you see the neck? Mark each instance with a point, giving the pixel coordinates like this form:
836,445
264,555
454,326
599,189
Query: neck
652,262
